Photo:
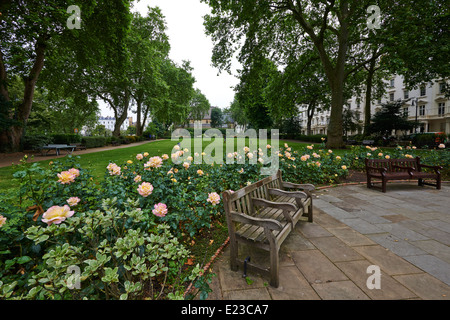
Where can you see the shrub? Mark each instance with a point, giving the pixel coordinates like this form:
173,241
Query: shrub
66,138
428,140
117,257
34,142
316,138
94,142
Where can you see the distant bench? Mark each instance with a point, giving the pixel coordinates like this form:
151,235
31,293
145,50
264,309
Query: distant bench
57,148
401,169
368,142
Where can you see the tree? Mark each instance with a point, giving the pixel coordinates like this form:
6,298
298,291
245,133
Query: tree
302,82
390,118
340,34
174,107
280,29
199,105
216,117
237,112
416,39
31,30
250,92
148,45
350,120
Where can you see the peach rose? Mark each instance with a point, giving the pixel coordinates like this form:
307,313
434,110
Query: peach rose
66,177
57,214
73,201
145,189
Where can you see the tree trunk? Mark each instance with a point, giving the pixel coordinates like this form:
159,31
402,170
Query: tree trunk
14,134
310,115
335,128
120,119
138,118
367,106
3,87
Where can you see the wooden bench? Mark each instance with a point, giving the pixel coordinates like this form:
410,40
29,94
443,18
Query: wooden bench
401,169
262,215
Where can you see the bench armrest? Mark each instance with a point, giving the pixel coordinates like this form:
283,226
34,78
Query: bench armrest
284,206
435,168
304,187
292,194
270,224
276,205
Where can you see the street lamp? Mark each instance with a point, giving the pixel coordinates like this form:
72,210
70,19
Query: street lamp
415,101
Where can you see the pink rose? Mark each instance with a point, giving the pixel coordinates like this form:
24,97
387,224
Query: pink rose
160,210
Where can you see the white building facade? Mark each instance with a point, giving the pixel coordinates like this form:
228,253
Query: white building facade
110,122
426,104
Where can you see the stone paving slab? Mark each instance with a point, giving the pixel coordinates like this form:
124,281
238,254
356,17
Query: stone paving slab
328,259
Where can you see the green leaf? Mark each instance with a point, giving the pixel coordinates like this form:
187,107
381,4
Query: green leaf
23,259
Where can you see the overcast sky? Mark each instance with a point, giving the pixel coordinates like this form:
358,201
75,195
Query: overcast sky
188,41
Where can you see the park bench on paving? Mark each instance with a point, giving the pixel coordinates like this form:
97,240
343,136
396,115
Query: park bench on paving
262,215
57,148
401,169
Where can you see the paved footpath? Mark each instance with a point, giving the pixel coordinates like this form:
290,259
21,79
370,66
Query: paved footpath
405,232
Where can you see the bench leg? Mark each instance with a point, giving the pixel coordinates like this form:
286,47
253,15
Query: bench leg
233,255
369,182
310,211
383,185
274,258
274,263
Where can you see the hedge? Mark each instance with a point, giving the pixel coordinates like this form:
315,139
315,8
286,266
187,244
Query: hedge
94,142
35,141
66,138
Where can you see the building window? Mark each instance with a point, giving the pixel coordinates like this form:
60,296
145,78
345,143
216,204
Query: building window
405,94
441,108
441,87
406,112
423,91
392,83
391,97
422,110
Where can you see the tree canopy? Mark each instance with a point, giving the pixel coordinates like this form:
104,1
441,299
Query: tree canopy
345,36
